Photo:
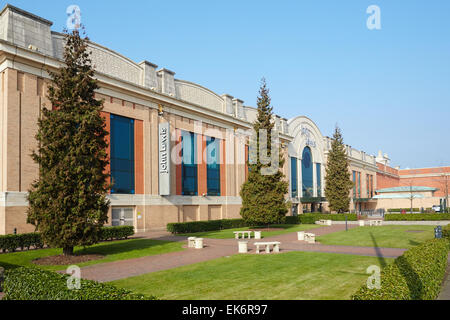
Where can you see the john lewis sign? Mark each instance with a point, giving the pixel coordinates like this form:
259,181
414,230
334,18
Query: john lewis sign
164,159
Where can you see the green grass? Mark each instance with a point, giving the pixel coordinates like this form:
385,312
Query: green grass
292,276
383,237
228,233
113,251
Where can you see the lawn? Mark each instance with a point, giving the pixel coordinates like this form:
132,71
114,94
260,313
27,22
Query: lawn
383,237
228,233
113,251
291,276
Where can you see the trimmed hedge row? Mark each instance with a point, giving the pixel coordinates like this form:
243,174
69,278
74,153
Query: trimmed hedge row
406,209
12,242
416,275
417,217
213,225
116,233
35,284
311,218
202,226
446,232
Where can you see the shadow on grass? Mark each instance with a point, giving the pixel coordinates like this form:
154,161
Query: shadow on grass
413,243
109,248
8,266
378,252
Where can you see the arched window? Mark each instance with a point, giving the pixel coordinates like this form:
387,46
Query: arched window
307,173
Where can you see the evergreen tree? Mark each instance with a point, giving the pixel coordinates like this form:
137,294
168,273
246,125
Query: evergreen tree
263,196
337,180
68,203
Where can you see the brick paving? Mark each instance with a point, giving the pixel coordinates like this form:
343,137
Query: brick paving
216,248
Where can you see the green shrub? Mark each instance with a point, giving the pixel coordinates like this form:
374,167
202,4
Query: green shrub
36,284
446,232
12,242
417,217
406,209
202,226
116,233
416,275
311,218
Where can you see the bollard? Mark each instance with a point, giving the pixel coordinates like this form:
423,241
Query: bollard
301,235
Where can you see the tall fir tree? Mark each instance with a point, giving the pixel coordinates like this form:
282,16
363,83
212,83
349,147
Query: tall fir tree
337,180
67,203
263,196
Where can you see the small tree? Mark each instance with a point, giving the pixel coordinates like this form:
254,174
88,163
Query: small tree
68,203
263,195
337,179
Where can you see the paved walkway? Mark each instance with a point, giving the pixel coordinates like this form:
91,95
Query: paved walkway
216,248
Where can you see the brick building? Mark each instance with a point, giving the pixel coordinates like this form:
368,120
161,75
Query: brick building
177,150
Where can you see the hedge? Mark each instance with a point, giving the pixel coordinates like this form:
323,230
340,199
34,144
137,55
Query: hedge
406,209
416,275
311,218
36,284
202,226
213,225
446,232
417,217
12,242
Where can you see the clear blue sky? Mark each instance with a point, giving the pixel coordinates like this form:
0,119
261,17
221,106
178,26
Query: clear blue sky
387,89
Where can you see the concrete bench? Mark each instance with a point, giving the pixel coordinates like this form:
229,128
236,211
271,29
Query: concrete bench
375,222
243,246
191,242
310,237
275,244
198,243
324,222
237,234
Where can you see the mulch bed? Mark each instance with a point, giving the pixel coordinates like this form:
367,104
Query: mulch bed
62,260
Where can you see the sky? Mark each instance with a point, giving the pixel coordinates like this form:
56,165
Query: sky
387,89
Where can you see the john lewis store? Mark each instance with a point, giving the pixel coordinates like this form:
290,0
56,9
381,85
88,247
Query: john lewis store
177,152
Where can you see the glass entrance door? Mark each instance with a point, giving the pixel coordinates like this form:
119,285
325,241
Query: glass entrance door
122,217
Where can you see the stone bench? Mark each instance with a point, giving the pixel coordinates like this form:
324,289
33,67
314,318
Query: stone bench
324,222
194,242
310,237
237,234
375,222
275,244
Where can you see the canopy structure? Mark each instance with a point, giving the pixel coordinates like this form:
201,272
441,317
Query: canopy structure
398,196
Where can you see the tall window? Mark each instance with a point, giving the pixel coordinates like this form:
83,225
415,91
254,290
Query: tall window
189,163
294,180
307,173
122,155
359,184
354,184
319,180
213,166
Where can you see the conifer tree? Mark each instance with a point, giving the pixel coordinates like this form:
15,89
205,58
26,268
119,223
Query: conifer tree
263,196
67,203
338,183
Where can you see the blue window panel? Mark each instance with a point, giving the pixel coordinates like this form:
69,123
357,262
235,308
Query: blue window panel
122,155
294,180
319,180
213,166
189,163
307,173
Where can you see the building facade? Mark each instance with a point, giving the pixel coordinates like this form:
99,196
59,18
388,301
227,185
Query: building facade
178,151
